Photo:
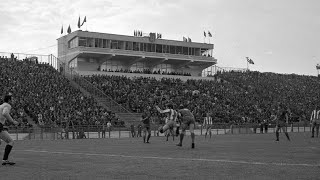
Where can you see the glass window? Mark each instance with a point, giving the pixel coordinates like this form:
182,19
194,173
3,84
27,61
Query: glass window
104,43
90,42
141,47
145,46
82,41
121,45
127,45
173,49
73,43
130,45
114,44
134,46
165,49
189,51
153,48
179,50
96,42
185,50
148,47
100,43
159,48
108,43
197,52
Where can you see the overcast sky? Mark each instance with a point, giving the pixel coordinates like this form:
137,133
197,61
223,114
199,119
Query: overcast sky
281,36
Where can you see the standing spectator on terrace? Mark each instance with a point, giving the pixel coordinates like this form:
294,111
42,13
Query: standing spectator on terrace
139,130
109,127
40,120
12,56
261,124
266,125
103,130
66,131
133,132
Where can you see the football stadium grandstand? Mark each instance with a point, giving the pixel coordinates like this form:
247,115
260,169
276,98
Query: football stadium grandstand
100,77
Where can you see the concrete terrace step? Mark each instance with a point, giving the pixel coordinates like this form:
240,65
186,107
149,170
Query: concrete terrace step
130,117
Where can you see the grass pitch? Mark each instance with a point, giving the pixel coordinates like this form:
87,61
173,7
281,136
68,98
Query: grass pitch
250,156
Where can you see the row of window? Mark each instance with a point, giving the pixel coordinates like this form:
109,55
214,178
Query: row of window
134,46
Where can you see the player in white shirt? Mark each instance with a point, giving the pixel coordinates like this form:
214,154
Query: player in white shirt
170,119
207,124
5,109
315,121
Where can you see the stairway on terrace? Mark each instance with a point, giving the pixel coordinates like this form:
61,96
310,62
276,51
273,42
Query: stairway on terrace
104,100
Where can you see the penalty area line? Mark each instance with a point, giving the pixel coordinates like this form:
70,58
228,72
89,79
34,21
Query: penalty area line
171,158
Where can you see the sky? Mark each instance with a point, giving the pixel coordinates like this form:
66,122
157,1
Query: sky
281,36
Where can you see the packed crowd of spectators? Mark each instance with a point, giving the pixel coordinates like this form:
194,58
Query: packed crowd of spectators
225,101
240,97
148,71
298,92
47,96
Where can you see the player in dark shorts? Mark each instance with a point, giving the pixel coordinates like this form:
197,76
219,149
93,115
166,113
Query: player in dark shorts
187,120
146,118
282,121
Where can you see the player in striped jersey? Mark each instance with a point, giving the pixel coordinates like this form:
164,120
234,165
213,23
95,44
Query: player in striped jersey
170,119
187,120
315,121
207,124
5,109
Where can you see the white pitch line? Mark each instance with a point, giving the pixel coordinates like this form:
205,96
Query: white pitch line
170,158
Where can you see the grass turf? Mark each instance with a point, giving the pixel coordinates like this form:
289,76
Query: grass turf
250,156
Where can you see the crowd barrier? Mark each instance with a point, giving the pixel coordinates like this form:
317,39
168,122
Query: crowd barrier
98,131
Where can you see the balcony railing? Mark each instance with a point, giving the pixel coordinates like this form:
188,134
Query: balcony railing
142,53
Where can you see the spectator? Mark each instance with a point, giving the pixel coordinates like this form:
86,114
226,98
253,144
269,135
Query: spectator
40,89
139,131
133,132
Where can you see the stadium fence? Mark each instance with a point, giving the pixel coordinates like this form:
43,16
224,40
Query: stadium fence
97,131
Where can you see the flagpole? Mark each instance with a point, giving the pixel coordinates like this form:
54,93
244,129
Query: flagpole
79,23
211,50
